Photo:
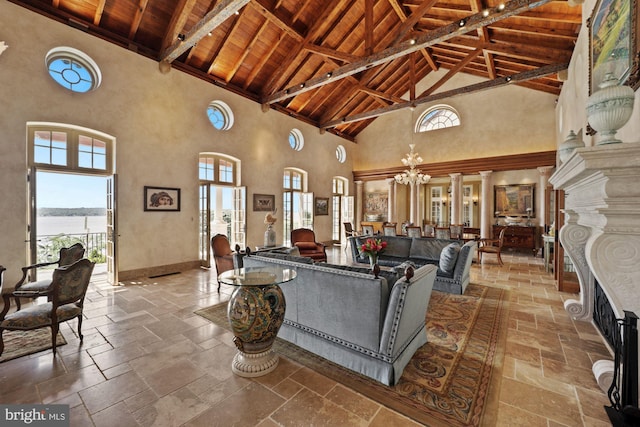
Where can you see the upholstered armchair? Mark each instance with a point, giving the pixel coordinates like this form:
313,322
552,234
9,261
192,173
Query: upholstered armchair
491,246
41,287
66,297
222,254
305,240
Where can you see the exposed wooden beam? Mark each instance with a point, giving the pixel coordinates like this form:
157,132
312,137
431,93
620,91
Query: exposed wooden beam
220,13
142,6
471,23
489,84
368,27
97,17
331,53
176,24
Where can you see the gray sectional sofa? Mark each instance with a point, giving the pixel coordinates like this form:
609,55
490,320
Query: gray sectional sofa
371,325
453,257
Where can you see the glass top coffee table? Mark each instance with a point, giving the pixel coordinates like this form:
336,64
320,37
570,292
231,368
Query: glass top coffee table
256,312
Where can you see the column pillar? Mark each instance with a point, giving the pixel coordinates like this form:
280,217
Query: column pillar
545,173
456,198
486,203
359,198
391,209
412,202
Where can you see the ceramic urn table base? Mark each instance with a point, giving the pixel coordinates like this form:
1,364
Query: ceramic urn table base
256,312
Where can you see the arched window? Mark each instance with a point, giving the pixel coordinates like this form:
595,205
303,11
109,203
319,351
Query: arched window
57,147
73,69
340,189
296,140
297,206
341,154
438,117
218,169
220,115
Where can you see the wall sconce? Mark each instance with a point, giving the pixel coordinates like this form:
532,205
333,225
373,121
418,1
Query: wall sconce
475,200
444,200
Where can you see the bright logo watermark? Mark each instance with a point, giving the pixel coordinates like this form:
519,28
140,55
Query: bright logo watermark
34,415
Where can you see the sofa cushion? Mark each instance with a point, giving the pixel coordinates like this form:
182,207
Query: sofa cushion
306,245
396,246
300,259
448,257
426,248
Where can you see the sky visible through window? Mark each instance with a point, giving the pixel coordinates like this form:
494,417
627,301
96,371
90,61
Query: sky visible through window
62,190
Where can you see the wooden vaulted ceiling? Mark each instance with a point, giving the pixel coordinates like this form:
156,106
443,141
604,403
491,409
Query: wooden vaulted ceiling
338,64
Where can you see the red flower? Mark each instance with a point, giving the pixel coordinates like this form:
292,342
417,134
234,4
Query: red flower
372,247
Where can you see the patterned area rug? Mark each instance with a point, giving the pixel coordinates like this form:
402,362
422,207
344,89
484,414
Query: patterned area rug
22,343
453,380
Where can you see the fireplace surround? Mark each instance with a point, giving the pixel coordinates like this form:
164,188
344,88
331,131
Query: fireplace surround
601,234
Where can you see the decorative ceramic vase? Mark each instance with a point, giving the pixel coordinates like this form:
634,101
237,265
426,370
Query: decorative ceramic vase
609,108
255,316
569,145
270,236
373,260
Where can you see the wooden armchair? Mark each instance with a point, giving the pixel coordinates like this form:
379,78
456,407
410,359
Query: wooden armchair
305,240
491,246
222,254
414,231
66,297
389,229
41,287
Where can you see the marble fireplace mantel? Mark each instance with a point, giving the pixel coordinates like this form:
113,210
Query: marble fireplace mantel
601,234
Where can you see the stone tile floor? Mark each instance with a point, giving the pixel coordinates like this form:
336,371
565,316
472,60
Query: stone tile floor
148,360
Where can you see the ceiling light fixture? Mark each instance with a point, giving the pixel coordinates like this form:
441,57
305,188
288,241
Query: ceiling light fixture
412,42
329,74
412,175
485,13
462,22
181,37
301,85
501,6
508,79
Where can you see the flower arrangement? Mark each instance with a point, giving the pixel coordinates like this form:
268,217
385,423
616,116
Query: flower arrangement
372,248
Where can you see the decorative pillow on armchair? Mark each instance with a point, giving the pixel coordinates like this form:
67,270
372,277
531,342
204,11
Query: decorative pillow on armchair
306,245
448,257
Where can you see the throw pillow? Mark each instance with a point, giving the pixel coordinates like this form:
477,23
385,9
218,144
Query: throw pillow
306,245
448,257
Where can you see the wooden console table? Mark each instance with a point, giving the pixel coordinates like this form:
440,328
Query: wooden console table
519,237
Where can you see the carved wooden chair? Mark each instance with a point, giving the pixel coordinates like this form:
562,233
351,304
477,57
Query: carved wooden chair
429,230
222,254
389,229
455,231
443,233
414,231
349,232
41,287
491,246
367,230
305,240
66,297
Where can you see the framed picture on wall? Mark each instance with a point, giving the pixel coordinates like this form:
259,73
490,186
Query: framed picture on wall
322,206
613,42
264,202
161,199
514,200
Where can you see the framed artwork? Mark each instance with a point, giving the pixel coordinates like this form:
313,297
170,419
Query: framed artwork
264,202
322,206
613,42
161,199
514,200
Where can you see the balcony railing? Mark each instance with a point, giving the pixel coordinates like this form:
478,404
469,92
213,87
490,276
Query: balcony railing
95,245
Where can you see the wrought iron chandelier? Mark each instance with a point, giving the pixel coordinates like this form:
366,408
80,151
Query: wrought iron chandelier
412,175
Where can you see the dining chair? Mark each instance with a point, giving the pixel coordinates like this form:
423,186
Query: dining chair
222,254
389,229
491,246
429,230
455,231
367,230
443,233
414,231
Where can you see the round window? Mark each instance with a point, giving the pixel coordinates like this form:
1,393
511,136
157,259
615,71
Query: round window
296,140
341,154
220,115
73,69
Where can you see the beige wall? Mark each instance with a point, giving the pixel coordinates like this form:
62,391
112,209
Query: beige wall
503,121
160,126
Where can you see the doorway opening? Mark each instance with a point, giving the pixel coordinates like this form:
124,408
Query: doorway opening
71,208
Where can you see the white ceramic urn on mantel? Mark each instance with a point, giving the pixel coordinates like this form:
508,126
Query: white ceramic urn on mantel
609,108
